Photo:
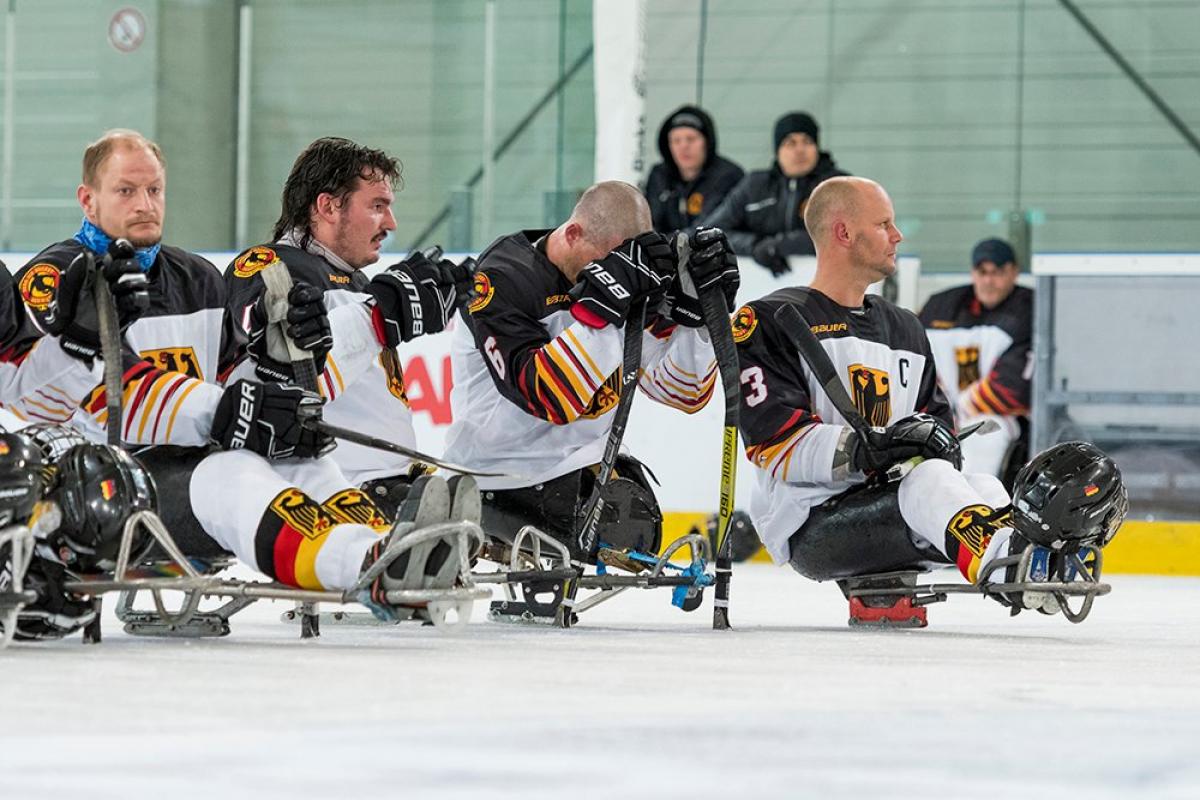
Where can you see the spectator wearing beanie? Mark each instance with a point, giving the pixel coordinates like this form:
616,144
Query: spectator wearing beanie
763,215
692,177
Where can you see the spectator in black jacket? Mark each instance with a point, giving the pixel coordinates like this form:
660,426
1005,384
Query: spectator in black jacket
692,178
764,214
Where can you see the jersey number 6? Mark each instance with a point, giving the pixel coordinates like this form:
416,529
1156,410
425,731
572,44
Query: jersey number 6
493,354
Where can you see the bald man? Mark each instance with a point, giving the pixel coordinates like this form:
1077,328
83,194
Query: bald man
821,498
536,366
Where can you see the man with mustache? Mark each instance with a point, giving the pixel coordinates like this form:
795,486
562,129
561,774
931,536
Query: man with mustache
336,212
271,499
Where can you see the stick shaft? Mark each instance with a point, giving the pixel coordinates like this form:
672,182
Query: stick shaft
798,332
110,351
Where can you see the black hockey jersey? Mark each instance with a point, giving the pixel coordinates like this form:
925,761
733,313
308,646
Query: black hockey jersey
791,431
39,382
984,356
533,386
182,348
362,382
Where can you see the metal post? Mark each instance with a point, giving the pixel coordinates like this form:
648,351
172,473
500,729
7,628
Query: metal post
489,118
1041,413
10,90
1020,236
458,234
241,203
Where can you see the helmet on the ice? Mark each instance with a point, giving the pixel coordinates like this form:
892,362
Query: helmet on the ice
98,488
22,479
1068,496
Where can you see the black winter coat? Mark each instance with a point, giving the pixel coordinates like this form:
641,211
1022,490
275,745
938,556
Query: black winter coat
766,203
676,204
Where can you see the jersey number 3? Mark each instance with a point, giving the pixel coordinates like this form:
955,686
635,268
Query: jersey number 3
756,385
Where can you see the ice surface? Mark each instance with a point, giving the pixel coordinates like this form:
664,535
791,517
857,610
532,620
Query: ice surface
641,700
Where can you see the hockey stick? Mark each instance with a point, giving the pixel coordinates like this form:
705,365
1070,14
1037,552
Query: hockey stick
794,326
631,362
375,443
278,282
720,332
110,339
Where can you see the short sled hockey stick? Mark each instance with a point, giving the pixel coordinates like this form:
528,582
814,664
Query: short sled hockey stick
110,351
631,362
278,283
720,333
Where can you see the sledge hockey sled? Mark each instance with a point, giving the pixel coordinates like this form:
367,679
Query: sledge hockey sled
17,540
197,579
897,600
536,572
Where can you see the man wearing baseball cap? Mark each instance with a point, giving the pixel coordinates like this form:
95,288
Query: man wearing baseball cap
981,336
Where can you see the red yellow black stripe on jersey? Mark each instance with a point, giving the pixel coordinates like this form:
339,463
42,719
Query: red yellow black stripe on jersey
559,380
151,402
674,386
991,397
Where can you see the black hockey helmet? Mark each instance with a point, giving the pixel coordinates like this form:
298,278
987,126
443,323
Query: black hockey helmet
98,488
22,478
1069,495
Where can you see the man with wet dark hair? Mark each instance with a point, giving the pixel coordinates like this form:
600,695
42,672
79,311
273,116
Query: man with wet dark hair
336,213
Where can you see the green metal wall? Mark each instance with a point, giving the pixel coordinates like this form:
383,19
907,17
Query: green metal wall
406,76
966,111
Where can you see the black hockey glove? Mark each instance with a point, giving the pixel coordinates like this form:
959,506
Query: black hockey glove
711,262
766,252
920,435
418,296
641,267
269,419
56,613
72,314
307,326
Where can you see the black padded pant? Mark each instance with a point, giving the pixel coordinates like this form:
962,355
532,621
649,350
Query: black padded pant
858,532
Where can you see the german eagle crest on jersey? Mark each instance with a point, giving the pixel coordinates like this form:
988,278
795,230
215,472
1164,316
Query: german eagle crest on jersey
871,389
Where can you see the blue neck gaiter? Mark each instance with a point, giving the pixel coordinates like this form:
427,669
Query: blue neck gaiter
98,241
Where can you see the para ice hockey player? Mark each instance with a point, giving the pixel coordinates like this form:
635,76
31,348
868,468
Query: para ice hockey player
819,500
982,341
336,212
537,366
274,501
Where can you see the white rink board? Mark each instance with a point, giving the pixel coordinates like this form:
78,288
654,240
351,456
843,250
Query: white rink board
790,704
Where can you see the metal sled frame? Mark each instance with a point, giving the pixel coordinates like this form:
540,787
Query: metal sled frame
189,621
1086,564
19,538
538,572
